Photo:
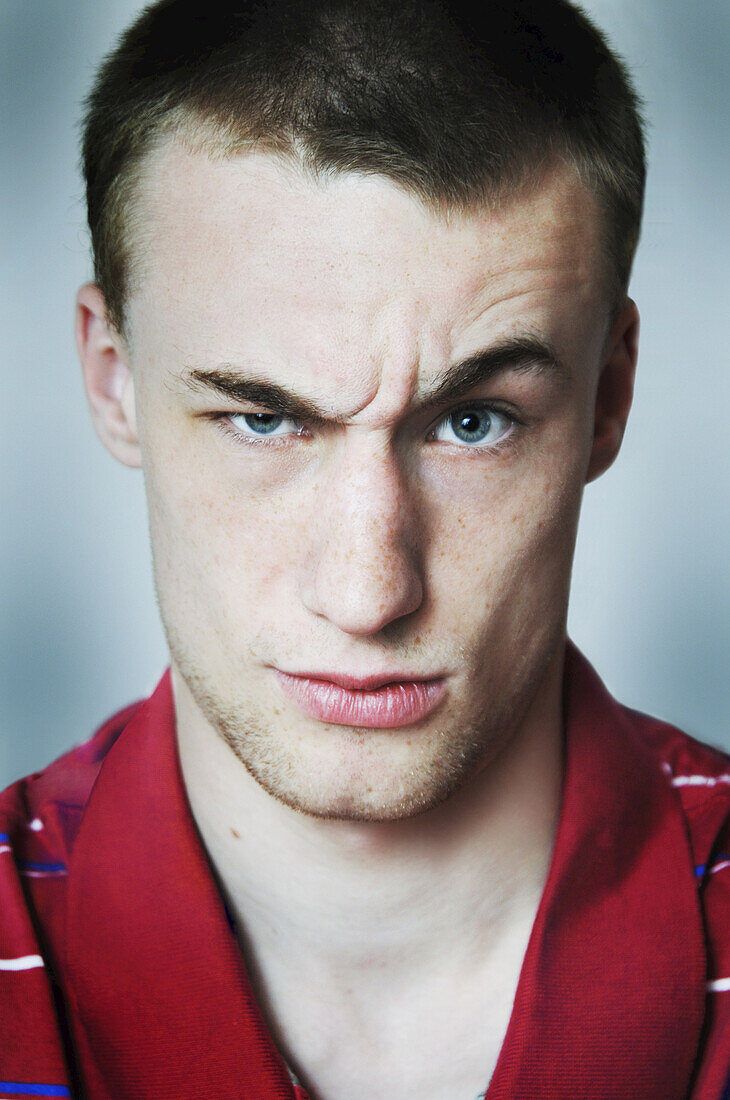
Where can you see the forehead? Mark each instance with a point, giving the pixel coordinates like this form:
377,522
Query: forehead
249,259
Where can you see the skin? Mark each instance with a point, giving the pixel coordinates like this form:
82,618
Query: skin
373,539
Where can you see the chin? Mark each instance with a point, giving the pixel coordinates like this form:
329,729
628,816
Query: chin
356,805
366,776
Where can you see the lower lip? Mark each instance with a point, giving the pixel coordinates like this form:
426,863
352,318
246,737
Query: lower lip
387,707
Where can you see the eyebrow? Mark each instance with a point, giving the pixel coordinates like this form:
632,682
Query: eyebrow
524,354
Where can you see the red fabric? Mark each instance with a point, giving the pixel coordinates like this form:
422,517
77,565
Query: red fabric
144,994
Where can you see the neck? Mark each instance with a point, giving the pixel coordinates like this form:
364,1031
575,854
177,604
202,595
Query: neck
341,895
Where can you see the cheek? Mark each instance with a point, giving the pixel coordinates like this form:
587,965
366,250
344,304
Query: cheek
219,554
502,545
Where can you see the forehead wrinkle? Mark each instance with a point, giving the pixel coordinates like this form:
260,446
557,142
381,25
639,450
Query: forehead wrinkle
397,384
492,293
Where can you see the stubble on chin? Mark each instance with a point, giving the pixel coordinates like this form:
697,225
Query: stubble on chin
342,773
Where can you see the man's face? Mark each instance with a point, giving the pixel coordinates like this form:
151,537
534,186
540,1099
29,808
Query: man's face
400,532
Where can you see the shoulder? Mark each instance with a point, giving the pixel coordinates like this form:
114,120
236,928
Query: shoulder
40,814
699,774
648,759
39,817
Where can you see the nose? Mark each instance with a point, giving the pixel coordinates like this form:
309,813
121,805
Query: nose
363,567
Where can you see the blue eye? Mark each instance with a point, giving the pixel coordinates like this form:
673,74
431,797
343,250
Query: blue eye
473,424
251,425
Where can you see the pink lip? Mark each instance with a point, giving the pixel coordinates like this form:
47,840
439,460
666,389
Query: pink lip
369,702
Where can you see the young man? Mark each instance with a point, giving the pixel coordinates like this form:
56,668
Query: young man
360,314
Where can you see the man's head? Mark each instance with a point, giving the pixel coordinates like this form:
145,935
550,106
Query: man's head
366,379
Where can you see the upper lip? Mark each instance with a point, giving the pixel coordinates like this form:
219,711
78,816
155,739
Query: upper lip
362,683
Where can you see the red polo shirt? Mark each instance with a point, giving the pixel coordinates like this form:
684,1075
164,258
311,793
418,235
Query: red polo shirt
120,975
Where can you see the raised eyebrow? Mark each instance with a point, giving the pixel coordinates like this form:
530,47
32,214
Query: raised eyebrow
522,354
229,383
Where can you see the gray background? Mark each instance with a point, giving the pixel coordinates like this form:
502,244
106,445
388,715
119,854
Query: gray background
651,600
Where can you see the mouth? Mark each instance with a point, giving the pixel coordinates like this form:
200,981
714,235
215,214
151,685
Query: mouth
370,702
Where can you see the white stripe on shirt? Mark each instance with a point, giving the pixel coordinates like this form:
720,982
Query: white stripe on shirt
699,780
25,962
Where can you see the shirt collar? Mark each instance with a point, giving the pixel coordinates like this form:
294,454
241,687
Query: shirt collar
610,1000
612,981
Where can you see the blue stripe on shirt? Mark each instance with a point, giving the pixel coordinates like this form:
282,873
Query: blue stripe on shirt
699,871
28,865
18,1088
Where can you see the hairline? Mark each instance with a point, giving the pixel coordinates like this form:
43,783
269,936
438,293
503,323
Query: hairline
203,135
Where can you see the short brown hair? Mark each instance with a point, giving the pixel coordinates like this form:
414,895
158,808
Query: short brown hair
456,101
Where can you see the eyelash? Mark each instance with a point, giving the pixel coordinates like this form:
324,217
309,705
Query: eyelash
223,423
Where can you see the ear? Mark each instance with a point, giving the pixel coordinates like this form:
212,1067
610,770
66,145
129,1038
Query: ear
615,390
107,377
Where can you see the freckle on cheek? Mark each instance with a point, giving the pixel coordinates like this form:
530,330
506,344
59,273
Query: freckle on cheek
237,835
